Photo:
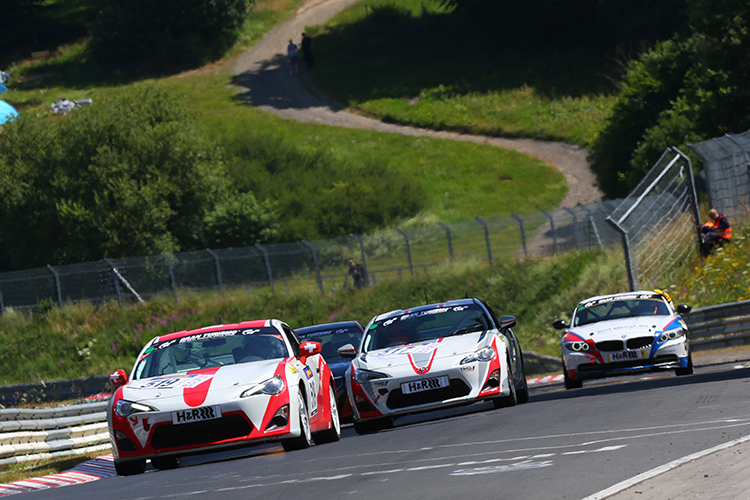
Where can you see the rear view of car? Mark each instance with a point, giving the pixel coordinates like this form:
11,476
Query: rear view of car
331,337
622,334
433,356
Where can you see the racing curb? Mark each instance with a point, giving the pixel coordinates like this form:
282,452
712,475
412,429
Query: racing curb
92,470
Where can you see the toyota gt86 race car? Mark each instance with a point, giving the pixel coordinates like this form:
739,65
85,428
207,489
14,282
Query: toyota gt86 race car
624,333
433,356
218,387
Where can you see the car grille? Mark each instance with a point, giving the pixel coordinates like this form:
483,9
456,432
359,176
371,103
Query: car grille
631,363
456,389
639,342
195,433
609,345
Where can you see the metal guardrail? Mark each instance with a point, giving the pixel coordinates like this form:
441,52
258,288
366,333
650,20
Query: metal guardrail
724,325
27,435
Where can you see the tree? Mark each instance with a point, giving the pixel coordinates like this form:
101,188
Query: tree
173,31
128,176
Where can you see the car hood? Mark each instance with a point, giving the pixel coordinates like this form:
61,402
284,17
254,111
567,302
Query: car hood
422,353
623,328
199,387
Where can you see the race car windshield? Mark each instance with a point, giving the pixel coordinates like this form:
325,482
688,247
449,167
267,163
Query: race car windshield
426,324
331,339
617,309
211,349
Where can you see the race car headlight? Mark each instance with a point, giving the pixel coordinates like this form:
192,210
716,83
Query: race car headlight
362,376
485,354
123,408
270,387
577,346
671,335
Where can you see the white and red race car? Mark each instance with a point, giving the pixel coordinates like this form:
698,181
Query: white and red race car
219,387
624,333
430,357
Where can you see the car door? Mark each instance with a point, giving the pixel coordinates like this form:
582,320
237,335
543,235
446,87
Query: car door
311,370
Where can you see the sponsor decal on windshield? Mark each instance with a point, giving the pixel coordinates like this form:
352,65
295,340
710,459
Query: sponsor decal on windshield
180,381
615,298
426,347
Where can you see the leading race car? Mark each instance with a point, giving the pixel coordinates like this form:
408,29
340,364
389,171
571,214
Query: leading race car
332,336
430,357
219,387
624,333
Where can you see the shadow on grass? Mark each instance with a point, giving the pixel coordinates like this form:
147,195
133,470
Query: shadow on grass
392,54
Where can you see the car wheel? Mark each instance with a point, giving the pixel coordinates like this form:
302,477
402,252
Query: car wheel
334,433
569,382
373,425
165,463
512,398
522,394
688,370
130,468
304,440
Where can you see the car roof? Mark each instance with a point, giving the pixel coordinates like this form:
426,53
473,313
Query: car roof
426,307
328,326
216,328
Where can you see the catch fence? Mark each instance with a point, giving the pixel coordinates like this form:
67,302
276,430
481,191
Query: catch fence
386,255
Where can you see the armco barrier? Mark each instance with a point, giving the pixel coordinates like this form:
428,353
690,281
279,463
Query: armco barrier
714,327
33,434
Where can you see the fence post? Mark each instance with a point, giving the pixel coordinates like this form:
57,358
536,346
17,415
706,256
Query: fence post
171,278
628,260
523,234
448,235
486,238
57,285
364,260
317,266
268,264
218,270
408,250
554,235
592,225
575,225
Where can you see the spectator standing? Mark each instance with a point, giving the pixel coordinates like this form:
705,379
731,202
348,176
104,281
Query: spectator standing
715,232
307,51
357,272
292,50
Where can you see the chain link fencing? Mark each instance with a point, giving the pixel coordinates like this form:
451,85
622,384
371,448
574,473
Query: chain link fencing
658,222
726,163
385,255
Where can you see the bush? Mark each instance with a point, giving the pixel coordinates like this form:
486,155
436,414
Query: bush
127,176
173,31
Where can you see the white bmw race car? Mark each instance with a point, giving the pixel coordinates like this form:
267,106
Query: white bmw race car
430,357
218,387
624,333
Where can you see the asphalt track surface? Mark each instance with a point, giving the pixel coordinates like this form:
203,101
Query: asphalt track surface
561,445
262,73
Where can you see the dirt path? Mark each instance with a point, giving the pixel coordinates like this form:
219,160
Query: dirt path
263,74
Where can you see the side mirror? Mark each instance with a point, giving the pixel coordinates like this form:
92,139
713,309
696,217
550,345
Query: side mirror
347,351
560,324
683,309
307,349
118,378
507,322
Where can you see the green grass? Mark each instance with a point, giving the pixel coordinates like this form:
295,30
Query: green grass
414,62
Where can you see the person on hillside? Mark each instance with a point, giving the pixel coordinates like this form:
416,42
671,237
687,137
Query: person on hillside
357,272
307,51
715,232
292,50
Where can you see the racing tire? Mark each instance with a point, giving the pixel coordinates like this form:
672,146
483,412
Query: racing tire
304,440
688,370
522,394
512,398
130,468
165,463
334,433
373,425
569,382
